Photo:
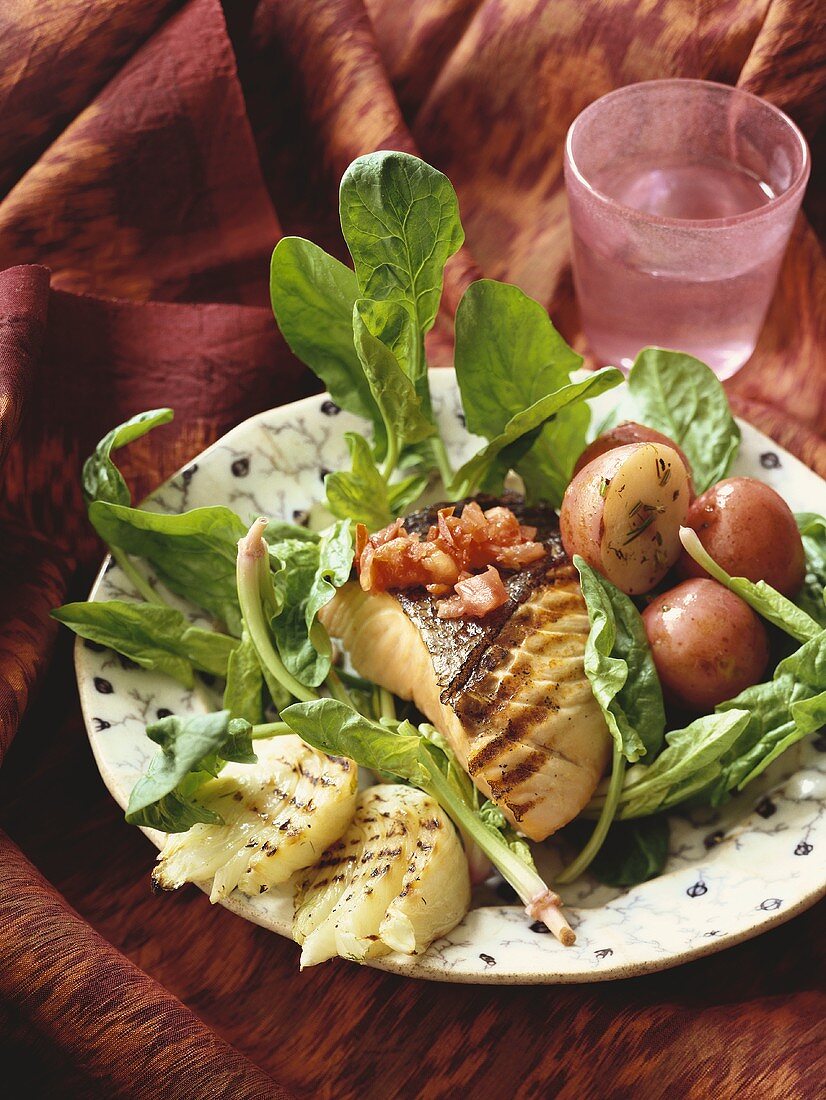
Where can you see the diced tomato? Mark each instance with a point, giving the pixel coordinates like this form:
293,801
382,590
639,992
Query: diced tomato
475,597
450,557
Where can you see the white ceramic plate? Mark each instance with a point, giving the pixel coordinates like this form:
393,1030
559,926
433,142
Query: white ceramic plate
730,875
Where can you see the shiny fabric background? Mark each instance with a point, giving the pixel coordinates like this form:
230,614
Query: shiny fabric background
151,154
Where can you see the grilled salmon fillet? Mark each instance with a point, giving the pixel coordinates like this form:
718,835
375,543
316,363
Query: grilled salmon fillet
509,691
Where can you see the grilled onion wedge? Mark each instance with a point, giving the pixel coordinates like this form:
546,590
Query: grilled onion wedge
279,815
395,881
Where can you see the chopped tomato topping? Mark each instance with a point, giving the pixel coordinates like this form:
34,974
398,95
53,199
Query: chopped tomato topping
475,597
450,557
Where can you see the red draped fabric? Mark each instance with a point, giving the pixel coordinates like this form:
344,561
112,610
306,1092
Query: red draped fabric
151,154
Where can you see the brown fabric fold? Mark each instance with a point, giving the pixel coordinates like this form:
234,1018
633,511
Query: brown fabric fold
151,154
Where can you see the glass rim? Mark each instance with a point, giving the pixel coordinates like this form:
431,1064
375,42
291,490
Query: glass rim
788,195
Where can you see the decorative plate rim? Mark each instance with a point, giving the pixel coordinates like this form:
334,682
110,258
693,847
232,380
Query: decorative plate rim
423,967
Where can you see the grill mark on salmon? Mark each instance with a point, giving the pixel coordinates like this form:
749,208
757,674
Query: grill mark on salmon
509,691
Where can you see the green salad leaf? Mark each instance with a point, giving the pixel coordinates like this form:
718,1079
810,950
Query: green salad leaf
245,683
634,852
400,219
151,635
101,478
782,712
620,668
313,296
192,553
509,355
761,597
476,470
399,404
812,597
360,493
308,578
681,397
192,750
690,762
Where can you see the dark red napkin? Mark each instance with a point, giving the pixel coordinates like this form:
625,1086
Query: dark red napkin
152,153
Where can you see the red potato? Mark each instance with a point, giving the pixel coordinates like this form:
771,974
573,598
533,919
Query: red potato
708,645
750,531
629,431
623,511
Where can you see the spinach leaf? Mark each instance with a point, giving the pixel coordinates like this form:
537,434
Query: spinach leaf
633,852
400,219
690,762
193,553
245,683
278,529
477,469
508,355
683,398
782,711
764,599
398,402
812,597
338,730
152,636
308,579
101,478
192,750
313,296
620,668
359,493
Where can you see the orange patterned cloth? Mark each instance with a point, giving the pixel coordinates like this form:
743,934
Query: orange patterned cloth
151,154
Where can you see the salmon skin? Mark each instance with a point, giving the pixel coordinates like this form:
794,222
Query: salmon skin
508,691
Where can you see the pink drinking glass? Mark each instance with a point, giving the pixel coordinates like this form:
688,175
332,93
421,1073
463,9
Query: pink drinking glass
682,195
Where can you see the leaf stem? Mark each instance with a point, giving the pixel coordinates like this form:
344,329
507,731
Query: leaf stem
269,729
338,690
138,580
252,571
597,838
540,901
392,456
387,704
442,461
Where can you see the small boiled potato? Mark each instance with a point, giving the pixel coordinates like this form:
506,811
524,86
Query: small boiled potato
623,511
629,431
708,645
750,531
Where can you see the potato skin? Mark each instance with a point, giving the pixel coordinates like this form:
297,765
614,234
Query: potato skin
750,531
622,514
708,645
629,431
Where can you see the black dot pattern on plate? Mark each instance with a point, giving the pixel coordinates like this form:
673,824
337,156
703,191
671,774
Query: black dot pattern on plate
461,418
604,952
713,839
322,473
770,904
697,890
101,724
301,517
766,808
803,848
713,932
162,712
127,662
189,473
330,408
103,686
488,960
770,461
95,647
241,467
540,927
